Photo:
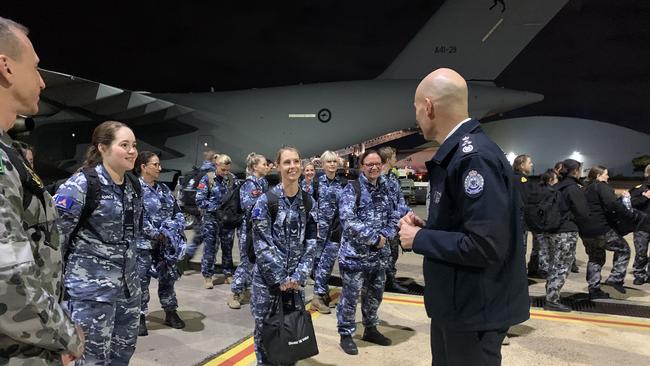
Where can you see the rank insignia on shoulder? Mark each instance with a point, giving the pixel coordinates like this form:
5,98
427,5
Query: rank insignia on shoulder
474,183
524,179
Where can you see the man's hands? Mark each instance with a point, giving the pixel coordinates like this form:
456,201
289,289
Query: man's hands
68,358
409,225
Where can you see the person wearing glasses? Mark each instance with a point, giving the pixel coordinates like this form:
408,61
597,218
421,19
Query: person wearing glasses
162,242
100,278
368,228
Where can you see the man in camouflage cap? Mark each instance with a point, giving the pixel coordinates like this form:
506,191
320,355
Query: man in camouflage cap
34,329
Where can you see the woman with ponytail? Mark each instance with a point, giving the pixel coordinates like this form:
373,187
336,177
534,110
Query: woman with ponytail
100,210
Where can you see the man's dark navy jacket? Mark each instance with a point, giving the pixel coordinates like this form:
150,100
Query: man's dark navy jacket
474,257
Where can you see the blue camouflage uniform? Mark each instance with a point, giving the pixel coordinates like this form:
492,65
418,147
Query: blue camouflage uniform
328,214
161,244
308,186
197,239
251,190
227,236
101,281
208,199
284,250
395,189
362,265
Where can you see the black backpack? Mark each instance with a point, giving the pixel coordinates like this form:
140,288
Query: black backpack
190,184
230,213
542,212
31,183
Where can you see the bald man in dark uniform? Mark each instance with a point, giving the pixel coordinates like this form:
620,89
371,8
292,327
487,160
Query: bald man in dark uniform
474,265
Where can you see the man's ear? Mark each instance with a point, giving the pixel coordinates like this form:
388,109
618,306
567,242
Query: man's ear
5,68
430,109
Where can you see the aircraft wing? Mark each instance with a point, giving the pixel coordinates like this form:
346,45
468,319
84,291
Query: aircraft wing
80,102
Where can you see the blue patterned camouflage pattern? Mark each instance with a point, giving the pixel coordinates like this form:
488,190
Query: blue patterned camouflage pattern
251,190
395,189
208,199
226,243
362,265
284,251
162,244
111,329
328,196
376,215
370,285
308,186
100,277
197,239
101,258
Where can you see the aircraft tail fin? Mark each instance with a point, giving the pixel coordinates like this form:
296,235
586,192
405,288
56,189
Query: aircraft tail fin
477,38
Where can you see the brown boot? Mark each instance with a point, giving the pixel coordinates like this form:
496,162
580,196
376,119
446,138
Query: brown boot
207,283
318,304
234,301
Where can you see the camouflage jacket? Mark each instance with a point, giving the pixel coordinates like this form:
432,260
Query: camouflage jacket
328,203
284,248
307,186
395,189
101,257
159,206
208,197
32,322
376,215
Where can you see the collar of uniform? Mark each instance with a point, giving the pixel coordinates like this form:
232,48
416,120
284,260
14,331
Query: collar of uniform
105,178
5,138
453,140
146,185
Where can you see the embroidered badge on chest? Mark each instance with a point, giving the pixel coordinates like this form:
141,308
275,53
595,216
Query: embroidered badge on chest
474,183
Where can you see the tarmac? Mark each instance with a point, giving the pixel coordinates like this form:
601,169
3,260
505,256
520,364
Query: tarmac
217,335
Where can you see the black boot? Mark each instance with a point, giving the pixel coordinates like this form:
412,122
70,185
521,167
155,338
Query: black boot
597,293
372,335
173,320
556,306
618,286
574,268
142,331
348,345
393,286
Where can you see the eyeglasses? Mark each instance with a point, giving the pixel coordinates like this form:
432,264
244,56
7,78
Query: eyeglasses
155,164
370,165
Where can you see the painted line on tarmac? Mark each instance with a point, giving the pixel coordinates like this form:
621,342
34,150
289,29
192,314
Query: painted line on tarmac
244,353
553,316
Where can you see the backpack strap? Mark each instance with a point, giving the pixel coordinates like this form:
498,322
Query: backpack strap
315,185
306,201
137,188
91,202
272,203
357,191
32,184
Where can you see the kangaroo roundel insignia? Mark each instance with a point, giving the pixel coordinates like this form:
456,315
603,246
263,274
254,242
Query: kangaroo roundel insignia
474,183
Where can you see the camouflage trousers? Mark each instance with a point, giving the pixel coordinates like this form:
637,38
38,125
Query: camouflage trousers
210,244
391,269
595,248
227,242
323,271
370,284
562,248
641,268
197,239
111,329
242,277
539,254
166,292
261,300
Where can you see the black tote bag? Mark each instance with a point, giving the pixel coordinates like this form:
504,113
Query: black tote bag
288,334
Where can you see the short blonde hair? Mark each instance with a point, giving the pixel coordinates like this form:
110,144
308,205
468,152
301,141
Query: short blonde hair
328,155
222,159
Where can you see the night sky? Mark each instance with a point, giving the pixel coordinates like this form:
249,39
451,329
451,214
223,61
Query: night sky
591,61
